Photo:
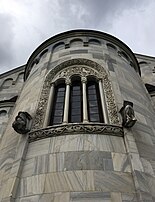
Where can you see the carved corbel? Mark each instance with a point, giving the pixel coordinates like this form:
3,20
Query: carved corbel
22,123
128,115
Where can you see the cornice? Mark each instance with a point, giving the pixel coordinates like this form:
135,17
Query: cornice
81,33
7,104
12,71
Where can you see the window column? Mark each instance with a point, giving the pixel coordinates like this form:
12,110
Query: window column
67,95
49,106
103,103
85,111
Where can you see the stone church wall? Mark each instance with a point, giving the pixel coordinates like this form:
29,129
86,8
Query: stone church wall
80,166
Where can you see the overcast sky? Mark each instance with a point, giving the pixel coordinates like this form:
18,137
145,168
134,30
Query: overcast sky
25,24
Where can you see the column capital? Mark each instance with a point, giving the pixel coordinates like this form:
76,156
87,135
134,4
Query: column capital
68,81
84,79
52,84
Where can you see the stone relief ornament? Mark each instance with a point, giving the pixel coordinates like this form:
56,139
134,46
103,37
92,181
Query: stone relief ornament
128,115
83,68
74,128
22,123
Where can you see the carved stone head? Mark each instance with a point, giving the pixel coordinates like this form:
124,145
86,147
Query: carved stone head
22,123
128,115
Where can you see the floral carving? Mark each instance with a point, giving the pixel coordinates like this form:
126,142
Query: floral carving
68,129
84,68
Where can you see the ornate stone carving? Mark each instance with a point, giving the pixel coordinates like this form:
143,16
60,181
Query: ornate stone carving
80,70
68,81
128,115
111,106
22,123
68,129
83,68
84,79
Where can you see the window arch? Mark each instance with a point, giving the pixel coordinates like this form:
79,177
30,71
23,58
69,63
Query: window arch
94,42
43,53
143,64
71,71
59,46
124,55
7,83
111,47
3,113
76,42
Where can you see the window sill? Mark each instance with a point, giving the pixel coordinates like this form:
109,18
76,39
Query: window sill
75,128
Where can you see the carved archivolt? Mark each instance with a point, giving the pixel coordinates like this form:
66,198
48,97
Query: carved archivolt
67,69
81,70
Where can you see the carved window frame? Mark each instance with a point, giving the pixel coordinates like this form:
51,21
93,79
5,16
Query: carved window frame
82,67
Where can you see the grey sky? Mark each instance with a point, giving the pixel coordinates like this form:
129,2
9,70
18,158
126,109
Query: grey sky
25,24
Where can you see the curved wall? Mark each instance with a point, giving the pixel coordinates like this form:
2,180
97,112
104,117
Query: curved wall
109,164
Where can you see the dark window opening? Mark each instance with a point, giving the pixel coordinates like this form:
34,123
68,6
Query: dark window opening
94,103
75,112
58,105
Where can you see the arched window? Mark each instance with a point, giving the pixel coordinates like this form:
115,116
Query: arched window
111,47
69,72
3,113
143,63
94,42
59,46
124,55
43,54
79,100
7,83
76,42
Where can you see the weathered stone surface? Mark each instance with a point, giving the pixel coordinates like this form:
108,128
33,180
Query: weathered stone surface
38,148
116,197
28,168
92,160
113,181
87,142
79,51
64,54
110,66
146,151
90,197
69,181
31,185
148,168
146,182
98,56
127,197
121,162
